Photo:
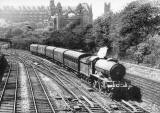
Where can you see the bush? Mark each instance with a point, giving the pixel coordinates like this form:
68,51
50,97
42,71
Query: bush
144,48
17,31
138,56
130,53
150,59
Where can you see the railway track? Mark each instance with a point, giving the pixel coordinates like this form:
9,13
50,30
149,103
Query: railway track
85,109
48,66
90,95
122,106
119,106
81,100
129,105
89,105
148,88
8,97
146,85
41,101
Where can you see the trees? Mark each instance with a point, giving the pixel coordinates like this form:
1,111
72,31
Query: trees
102,25
101,31
138,21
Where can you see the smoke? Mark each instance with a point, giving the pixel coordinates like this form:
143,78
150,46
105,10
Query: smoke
102,53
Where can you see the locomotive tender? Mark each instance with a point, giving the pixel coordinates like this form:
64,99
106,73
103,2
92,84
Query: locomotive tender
104,74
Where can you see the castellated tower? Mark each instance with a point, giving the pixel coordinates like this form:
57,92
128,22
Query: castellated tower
107,9
52,8
90,14
60,16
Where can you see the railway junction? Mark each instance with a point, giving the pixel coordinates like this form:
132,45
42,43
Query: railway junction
32,84
66,59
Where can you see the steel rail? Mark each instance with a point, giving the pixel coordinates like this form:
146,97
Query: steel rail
50,104
83,92
59,71
15,98
4,87
48,68
67,105
76,85
87,108
31,89
44,90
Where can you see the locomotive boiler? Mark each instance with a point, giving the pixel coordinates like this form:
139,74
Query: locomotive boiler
110,69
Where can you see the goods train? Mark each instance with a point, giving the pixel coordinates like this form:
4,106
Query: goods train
106,75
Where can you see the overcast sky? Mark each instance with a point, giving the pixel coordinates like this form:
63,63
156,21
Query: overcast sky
97,5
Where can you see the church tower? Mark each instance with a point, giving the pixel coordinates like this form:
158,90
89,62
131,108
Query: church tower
91,14
59,8
107,9
59,16
52,8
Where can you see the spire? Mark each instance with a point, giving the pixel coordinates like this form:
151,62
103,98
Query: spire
59,8
91,13
52,7
107,8
79,9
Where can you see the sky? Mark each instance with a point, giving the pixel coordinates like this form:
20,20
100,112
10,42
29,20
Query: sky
97,5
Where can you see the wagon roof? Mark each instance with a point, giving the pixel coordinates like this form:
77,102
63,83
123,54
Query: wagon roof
50,47
61,50
42,45
75,54
34,45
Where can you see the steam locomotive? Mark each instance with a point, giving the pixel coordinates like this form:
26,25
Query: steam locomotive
106,75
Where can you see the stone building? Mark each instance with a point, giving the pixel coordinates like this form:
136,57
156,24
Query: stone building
62,16
56,15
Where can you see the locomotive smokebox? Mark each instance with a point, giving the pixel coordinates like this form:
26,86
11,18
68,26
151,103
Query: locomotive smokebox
110,69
